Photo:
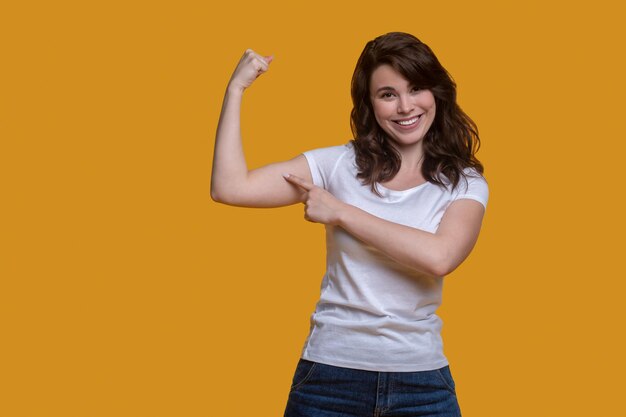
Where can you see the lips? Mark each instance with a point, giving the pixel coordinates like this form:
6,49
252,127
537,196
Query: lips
409,122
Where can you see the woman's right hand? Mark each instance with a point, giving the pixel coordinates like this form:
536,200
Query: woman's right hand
250,66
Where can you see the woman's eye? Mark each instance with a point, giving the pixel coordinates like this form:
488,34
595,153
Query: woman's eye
416,89
387,95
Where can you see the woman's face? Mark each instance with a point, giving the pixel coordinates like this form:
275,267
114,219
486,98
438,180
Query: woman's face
402,110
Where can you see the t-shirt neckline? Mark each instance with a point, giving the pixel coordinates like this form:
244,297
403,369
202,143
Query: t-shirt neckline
389,191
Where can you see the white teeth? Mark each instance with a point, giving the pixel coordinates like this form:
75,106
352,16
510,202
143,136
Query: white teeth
407,122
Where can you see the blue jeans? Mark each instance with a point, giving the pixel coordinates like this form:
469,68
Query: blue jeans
320,390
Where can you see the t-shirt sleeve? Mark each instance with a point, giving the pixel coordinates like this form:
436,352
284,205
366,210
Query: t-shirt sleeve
475,189
322,163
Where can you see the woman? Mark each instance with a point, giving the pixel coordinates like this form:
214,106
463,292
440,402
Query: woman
403,205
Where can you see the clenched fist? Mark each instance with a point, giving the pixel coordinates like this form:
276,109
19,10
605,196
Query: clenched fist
250,66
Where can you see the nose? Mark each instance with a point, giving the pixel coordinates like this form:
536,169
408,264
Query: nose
405,104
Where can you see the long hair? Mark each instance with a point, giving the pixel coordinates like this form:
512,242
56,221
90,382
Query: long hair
451,142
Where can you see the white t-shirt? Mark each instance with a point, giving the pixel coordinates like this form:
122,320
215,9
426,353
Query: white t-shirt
373,313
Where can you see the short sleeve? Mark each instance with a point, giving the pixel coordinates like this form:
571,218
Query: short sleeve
475,189
323,161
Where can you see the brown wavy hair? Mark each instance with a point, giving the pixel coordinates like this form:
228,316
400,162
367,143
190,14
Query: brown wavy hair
451,142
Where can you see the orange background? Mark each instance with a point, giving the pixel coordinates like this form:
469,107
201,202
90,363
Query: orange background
125,291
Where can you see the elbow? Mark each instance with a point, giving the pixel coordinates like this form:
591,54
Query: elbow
219,191
215,196
219,196
222,199
440,265
231,192
431,268
434,269
223,196
441,269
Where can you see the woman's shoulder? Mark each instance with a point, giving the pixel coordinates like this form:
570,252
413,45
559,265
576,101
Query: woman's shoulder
323,162
472,185
467,173
470,179
471,172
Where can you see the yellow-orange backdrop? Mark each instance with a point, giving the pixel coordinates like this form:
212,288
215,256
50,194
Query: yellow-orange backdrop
125,291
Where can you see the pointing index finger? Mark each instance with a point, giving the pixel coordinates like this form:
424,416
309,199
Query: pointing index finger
299,182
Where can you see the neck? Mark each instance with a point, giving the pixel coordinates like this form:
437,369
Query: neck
412,157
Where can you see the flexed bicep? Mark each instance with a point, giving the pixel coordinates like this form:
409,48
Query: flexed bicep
266,186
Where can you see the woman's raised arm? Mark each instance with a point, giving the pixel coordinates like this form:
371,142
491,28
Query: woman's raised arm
231,182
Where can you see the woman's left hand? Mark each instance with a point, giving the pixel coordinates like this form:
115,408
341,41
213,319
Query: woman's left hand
320,206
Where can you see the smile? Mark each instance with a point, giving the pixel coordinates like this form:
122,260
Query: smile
408,122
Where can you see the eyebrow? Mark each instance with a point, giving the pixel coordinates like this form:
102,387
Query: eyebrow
385,88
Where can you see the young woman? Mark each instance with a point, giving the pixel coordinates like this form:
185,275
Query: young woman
403,205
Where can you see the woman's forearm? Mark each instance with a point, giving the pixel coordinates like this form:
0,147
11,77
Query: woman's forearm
417,249
229,163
